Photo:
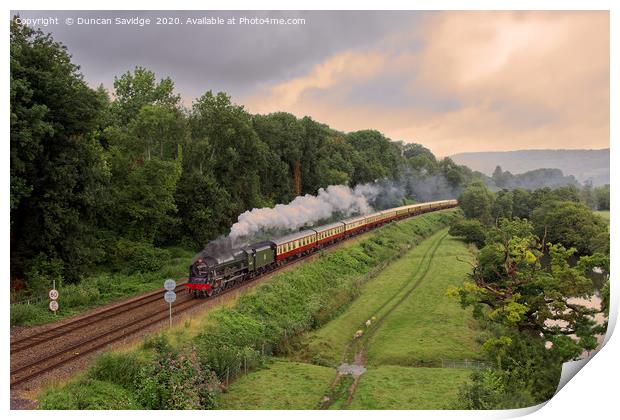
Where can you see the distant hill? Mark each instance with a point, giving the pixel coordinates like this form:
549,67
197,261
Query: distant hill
584,165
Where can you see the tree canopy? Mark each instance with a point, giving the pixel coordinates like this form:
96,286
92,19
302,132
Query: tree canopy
94,173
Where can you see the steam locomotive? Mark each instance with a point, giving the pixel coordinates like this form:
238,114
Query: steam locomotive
210,274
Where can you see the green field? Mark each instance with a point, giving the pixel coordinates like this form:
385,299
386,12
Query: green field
327,345
428,325
400,388
280,385
416,324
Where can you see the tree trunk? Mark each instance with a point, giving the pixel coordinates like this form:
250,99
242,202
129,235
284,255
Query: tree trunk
297,178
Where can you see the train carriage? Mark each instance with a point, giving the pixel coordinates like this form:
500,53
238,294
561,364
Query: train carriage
354,225
401,212
415,209
294,244
329,233
388,215
374,219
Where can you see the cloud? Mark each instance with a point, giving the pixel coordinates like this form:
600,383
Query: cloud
232,58
350,67
454,81
466,81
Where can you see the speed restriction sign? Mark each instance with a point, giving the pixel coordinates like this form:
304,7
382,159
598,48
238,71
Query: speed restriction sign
53,306
53,294
170,296
170,285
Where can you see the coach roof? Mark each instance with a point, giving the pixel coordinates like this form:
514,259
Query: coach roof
293,237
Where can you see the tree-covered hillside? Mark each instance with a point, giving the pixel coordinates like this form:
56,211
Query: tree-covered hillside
585,165
106,179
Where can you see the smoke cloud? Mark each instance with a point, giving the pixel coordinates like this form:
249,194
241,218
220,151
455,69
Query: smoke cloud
307,210
421,186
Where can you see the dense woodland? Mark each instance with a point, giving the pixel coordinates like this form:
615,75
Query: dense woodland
109,178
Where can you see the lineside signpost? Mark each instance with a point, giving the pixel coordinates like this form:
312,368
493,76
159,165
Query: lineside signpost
170,296
53,295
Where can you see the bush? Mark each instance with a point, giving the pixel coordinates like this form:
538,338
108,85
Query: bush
76,295
42,272
22,313
131,257
157,342
89,394
119,368
470,230
177,382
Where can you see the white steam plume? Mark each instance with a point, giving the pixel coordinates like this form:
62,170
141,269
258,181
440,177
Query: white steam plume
307,210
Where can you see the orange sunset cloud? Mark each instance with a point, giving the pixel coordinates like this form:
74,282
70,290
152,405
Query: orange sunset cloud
465,81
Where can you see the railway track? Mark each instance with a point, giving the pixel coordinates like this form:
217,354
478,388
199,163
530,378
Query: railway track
49,361
56,359
83,322
65,355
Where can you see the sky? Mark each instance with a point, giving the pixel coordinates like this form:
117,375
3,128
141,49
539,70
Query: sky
453,81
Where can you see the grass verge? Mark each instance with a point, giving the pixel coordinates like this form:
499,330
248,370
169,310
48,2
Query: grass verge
400,388
280,385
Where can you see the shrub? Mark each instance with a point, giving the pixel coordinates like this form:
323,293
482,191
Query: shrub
470,230
89,394
42,272
177,382
157,342
22,313
83,294
119,368
131,257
